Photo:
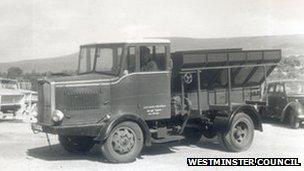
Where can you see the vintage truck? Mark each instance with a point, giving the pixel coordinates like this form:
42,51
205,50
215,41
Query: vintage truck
132,94
14,99
285,102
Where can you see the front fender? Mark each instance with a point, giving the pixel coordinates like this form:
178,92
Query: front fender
115,120
294,108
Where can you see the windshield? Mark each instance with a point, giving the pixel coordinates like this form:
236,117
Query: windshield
8,84
100,59
296,87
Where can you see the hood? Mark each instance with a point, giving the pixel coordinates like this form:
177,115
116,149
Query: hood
295,95
83,77
4,91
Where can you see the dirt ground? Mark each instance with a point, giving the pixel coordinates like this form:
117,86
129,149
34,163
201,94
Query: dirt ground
20,149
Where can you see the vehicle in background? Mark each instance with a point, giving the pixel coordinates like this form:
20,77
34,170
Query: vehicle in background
132,94
285,102
14,100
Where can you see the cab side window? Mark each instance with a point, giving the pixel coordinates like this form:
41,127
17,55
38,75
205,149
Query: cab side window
279,88
160,57
152,58
131,61
271,89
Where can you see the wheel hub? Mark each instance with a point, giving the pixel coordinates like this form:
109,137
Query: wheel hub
240,132
123,140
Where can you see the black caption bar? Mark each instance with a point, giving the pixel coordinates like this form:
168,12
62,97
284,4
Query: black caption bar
243,162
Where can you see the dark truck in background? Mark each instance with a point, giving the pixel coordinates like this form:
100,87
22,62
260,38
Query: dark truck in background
115,101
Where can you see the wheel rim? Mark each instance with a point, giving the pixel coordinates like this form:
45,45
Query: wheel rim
123,140
240,132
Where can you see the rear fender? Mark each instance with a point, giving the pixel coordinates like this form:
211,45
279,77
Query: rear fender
223,123
115,120
252,113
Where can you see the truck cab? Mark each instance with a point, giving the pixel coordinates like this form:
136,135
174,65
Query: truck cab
131,94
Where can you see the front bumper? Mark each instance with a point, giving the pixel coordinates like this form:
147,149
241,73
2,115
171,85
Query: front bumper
300,117
77,130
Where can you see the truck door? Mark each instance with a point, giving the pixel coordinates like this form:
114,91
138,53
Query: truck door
154,96
281,100
278,100
271,99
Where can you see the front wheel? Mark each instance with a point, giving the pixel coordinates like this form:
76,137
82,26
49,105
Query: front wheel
124,143
76,144
293,121
240,134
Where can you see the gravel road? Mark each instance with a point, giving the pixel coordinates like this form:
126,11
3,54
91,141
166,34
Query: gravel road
20,149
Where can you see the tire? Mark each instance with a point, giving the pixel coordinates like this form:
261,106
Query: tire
293,122
240,134
124,143
76,144
192,135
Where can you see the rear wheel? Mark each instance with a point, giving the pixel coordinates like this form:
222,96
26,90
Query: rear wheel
293,121
76,144
240,134
124,143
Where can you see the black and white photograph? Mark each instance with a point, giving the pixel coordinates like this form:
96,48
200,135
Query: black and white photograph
151,85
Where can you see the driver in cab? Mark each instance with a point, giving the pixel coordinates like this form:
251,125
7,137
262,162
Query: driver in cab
147,63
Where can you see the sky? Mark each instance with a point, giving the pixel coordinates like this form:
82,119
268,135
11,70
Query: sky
31,29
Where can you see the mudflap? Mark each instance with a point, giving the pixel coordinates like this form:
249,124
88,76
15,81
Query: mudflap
221,124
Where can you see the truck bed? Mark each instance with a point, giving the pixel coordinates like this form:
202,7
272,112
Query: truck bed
248,67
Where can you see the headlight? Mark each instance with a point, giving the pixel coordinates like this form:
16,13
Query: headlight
57,116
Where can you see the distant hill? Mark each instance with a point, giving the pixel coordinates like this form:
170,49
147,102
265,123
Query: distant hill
56,64
290,44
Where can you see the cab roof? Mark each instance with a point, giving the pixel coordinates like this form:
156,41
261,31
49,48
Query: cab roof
131,41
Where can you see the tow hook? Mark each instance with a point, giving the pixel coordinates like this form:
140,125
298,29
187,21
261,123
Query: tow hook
48,140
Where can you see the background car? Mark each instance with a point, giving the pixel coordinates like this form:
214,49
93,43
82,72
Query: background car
14,100
285,101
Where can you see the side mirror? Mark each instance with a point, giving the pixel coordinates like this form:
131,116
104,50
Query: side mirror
125,72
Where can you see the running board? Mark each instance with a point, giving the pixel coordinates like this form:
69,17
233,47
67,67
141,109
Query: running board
168,139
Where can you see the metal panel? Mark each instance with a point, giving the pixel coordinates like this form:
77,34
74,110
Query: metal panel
44,103
83,104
